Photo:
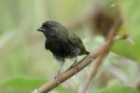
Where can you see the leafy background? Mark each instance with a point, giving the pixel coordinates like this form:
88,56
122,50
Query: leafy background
25,64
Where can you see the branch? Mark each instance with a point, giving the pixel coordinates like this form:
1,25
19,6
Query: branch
67,74
104,53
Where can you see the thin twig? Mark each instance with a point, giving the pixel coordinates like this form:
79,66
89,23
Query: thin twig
105,52
99,62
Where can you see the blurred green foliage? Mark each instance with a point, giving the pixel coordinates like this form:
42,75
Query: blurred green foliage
131,22
22,82
117,87
25,64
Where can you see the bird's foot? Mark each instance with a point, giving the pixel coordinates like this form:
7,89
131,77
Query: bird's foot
57,77
75,65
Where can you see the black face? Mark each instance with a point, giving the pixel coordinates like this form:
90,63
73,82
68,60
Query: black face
48,25
49,28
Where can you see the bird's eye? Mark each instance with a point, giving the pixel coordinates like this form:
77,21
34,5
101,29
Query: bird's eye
44,25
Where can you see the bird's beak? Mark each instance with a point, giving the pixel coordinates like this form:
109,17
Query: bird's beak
41,29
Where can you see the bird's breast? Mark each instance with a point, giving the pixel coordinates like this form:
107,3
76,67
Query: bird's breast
61,48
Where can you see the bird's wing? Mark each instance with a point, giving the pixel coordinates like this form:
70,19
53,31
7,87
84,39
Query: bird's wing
62,33
76,41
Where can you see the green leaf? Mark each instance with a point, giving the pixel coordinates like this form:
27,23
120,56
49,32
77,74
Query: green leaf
130,10
21,82
117,87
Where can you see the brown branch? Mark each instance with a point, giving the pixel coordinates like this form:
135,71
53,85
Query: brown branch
67,74
93,73
104,53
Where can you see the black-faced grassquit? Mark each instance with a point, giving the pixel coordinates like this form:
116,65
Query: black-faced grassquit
61,42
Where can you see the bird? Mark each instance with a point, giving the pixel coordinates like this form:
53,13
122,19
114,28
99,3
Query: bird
62,43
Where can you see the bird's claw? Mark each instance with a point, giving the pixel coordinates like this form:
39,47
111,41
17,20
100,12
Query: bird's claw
57,77
75,66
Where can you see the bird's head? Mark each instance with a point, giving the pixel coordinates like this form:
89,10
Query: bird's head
50,28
